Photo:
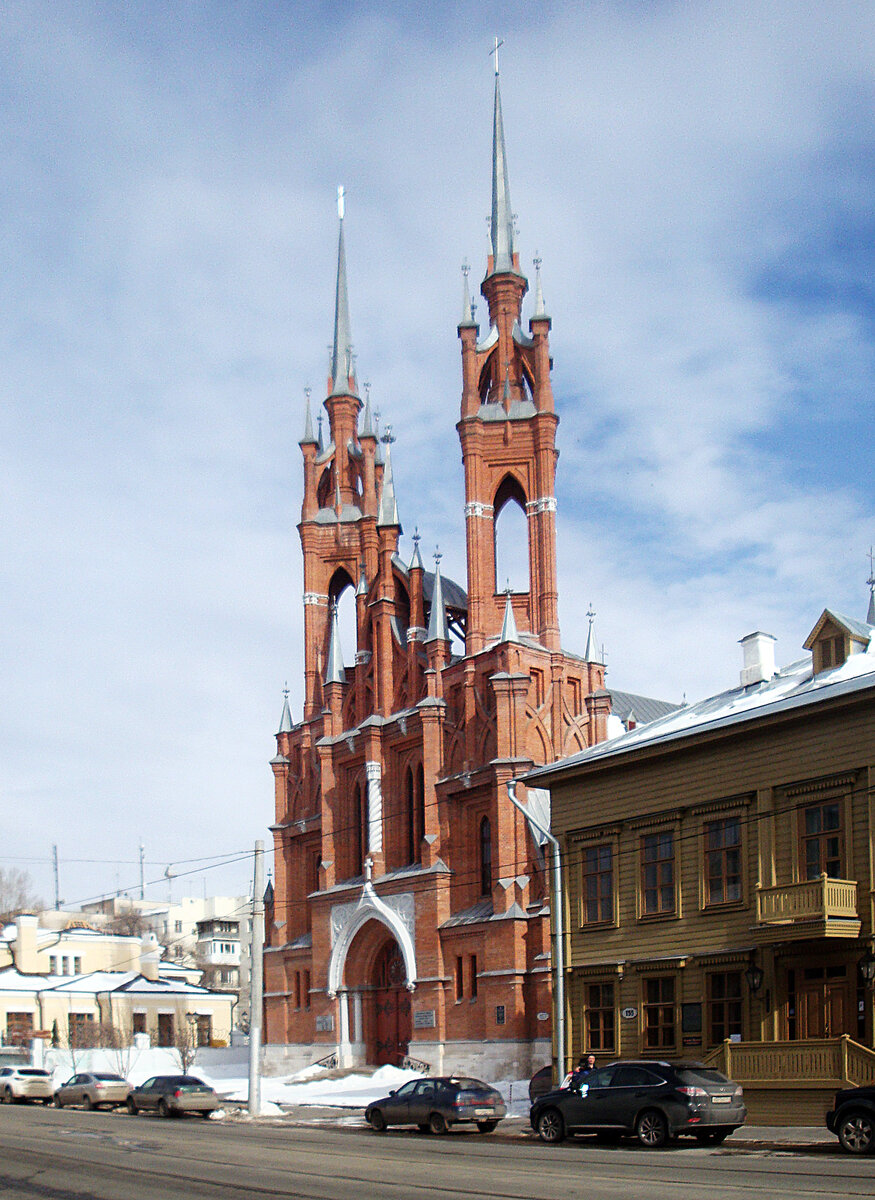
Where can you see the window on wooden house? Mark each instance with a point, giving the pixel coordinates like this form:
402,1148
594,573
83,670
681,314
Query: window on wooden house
659,1012
823,840
657,873
597,884
723,861
600,1016
724,1005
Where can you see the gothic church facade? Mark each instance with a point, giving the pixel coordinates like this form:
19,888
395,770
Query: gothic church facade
408,918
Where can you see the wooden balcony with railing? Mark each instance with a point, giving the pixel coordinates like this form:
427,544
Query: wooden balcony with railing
821,907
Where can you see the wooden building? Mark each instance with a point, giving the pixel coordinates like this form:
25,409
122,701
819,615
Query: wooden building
718,876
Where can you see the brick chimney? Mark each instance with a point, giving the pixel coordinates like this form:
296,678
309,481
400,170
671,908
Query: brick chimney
759,658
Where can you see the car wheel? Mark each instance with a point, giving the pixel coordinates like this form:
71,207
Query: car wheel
58,1102
377,1121
131,1106
437,1123
551,1127
651,1129
712,1137
856,1132
87,1103
164,1109
486,1126
7,1095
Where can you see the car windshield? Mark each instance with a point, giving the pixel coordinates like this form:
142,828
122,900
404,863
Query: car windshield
111,1078
407,1088
471,1085
700,1076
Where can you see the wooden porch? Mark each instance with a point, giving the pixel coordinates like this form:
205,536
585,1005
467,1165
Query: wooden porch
793,1083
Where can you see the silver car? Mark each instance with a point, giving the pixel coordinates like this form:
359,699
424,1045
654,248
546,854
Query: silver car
173,1095
25,1083
93,1090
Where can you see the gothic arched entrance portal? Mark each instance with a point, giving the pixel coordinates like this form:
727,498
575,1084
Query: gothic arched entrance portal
393,1023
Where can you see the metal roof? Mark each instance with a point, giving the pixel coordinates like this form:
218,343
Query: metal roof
793,688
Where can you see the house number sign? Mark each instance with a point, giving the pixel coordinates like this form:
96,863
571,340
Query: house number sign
629,1014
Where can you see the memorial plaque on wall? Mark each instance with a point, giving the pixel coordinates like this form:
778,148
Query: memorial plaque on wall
425,1019
325,1024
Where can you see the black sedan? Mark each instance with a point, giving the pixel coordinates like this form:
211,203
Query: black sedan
655,1101
852,1119
435,1105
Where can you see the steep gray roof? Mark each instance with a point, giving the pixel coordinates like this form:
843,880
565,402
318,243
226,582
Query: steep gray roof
508,625
644,708
286,724
388,510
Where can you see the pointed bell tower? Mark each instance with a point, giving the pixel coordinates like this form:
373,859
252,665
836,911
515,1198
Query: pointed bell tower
508,429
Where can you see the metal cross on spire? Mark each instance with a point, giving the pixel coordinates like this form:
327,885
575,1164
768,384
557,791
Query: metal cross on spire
871,579
340,201
494,51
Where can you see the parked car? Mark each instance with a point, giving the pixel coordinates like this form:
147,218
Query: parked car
25,1083
437,1104
173,1095
655,1101
97,1090
540,1083
852,1119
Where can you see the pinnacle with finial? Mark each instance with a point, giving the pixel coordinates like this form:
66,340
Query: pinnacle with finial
540,307
387,513
309,437
437,617
321,442
367,429
416,559
591,653
286,719
508,627
334,672
467,310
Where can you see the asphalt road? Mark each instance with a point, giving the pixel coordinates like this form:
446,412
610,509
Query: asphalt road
72,1155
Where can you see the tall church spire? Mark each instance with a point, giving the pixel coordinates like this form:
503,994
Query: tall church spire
502,214
341,355
870,616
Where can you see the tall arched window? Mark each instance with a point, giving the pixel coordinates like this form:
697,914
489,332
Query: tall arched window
415,794
342,592
419,784
411,817
511,529
358,832
485,857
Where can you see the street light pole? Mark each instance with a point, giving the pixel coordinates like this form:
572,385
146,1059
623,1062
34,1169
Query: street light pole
256,977
558,924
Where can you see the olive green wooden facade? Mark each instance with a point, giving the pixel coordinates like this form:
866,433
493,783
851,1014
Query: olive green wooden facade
740,838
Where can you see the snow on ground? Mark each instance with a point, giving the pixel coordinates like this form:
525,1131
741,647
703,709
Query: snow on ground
308,1087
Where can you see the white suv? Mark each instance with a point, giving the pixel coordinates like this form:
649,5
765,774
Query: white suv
25,1083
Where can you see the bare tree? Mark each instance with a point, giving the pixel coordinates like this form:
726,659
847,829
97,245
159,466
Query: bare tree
128,923
16,893
185,1039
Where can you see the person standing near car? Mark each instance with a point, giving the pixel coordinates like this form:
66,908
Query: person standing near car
585,1066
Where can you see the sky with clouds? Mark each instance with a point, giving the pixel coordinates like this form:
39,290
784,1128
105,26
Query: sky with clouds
699,181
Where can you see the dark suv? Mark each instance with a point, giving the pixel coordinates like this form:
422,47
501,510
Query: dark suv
655,1101
852,1119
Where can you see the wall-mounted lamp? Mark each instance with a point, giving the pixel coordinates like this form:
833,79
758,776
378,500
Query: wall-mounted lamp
754,976
867,966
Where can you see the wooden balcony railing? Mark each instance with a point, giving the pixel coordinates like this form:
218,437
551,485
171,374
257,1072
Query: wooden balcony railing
821,899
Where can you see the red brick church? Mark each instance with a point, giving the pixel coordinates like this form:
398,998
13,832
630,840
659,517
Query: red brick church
408,915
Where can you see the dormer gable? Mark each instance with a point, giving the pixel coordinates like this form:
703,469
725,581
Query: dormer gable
835,638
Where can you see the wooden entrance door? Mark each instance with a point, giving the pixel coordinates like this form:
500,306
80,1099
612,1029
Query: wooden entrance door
392,1008
824,1003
